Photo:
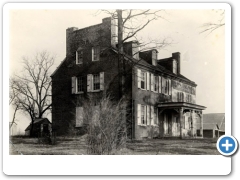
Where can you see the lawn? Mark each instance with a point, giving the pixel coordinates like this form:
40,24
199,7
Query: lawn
77,146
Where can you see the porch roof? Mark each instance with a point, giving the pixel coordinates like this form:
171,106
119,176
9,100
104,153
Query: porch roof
170,105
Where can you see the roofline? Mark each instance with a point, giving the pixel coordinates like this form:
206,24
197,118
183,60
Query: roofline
181,104
151,66
58,67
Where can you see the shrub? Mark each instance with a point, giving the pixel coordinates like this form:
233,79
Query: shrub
106,126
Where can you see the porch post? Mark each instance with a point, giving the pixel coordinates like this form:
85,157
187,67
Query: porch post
191,111
181,120
201,124
160,123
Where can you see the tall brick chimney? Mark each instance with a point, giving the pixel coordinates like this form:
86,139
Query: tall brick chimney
69,38
176,56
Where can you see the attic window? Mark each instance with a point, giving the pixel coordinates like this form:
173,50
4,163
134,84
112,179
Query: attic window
95,53
79,57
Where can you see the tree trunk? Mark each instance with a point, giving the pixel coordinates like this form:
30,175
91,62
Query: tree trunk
121,60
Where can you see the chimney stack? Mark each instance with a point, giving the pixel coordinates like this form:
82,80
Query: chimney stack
176,56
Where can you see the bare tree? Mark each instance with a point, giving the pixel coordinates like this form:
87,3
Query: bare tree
32,89
212,26
130,23
13,102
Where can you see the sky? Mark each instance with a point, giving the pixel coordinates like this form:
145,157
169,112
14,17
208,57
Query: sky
202,55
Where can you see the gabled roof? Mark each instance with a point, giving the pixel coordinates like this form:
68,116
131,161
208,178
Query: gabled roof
213,121
38,121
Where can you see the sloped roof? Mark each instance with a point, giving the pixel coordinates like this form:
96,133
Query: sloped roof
157,67
37,121
213,121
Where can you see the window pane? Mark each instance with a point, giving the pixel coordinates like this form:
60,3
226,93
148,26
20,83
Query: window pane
96,82
142,80
79,84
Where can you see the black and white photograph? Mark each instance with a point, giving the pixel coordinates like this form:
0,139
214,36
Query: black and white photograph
117,81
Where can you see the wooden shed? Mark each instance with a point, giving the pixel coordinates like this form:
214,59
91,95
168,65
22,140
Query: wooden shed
41,126
213,125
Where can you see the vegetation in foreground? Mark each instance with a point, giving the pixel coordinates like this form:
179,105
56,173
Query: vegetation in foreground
77,146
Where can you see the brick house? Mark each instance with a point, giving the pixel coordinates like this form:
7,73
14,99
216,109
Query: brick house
160,101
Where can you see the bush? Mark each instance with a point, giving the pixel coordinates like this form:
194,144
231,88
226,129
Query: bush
106,126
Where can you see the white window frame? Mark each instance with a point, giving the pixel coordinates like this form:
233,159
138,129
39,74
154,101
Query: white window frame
90,82
77,55
144,115
95,53
143,79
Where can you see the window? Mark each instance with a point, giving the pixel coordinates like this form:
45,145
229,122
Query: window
189,98
180,96
79,84
96,82
155,83
79,57
166,86
155,115
79,116
174,67
95,53
143,115
143,80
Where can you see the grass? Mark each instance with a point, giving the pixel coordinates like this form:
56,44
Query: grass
77,146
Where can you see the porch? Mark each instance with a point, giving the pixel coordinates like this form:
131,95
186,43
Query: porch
180,119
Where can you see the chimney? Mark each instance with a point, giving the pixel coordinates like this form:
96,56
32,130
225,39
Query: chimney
110,24
176,56
69,38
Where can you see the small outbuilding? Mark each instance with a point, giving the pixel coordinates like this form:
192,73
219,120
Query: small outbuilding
41,126
213,125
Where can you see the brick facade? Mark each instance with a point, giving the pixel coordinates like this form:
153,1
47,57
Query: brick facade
170,86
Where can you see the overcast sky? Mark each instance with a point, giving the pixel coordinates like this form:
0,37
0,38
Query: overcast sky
202,55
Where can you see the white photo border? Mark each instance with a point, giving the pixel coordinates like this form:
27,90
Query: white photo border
124,164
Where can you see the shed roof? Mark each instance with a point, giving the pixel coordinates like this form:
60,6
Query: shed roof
38,121
213,121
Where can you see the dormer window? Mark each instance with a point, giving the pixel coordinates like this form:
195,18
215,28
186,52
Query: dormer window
174,67
79,57
95,53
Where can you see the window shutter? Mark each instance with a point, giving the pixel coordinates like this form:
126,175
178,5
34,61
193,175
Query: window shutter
89,82
152,80
102,81
79,116
169,87
73,85
152,115
183,97
163,85
148,81
148,115
159,84
92,53
139,78
76,57
139,113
